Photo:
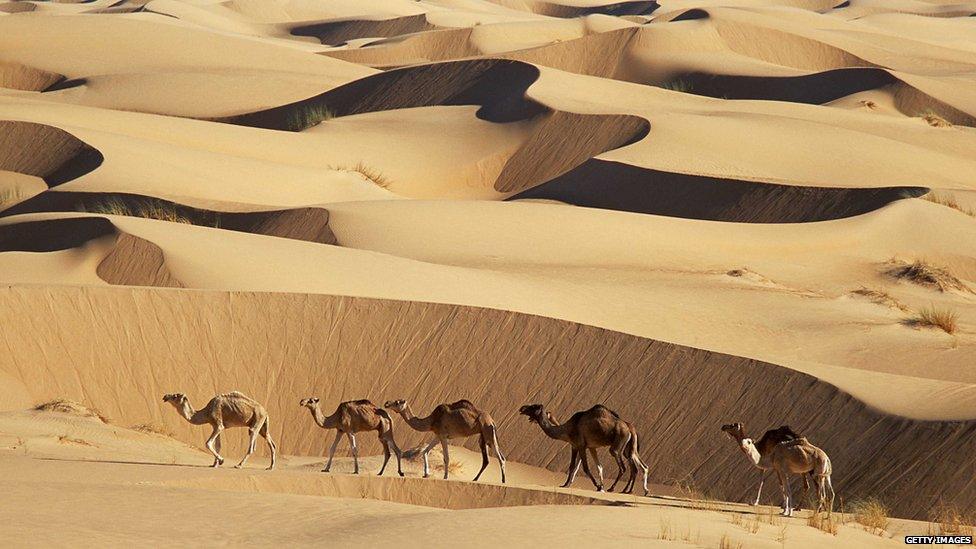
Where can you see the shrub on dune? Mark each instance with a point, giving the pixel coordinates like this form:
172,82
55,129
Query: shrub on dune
67,406
930,317
872,514
306,115
949,201
926,274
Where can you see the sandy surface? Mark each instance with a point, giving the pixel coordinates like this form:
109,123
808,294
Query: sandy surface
692,211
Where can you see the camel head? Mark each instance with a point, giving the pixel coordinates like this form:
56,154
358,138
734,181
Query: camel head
397,405
310,403
176,399
735,431
533,412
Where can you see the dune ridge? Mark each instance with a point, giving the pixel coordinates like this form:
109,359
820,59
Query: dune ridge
618,186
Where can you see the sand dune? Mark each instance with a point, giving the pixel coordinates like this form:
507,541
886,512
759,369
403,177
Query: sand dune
691,211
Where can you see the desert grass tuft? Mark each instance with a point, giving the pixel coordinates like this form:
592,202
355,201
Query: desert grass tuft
9,197
372,174
931,317
881,297
67,406
933,119
435,458
728,543
949,201
872,514
926,274
152,429
823,522
687,489
65,439
948,520
678,85
306,115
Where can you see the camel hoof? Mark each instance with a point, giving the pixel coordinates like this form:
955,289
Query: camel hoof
400,473
325,470
426,476
238,466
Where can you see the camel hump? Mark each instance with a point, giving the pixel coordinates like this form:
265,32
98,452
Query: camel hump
599,408
362,402
795,442
786,431
463,403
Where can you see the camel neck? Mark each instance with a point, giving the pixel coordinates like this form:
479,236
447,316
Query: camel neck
323,421
748,447
551,429
415,423
196,417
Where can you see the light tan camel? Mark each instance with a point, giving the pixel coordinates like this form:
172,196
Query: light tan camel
232,409
765,446
791,457
588,430
447,421
356,416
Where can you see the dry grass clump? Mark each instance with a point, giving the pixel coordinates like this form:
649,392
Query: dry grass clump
728,543
868,104
9,197
872,514
823,522
930,317
881,297
687,489
67,406
949,201
948,520
306,115
65,439
372,174
677,85
151,209
435,458
934,119
152,429
925,274
752,525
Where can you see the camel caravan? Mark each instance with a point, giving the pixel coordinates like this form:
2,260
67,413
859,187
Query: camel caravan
779,450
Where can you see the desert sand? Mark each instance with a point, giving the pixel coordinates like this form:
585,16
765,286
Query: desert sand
694,212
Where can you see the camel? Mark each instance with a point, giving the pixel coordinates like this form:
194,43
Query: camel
460,419
356,416
765,447
588,430
791,457
232,409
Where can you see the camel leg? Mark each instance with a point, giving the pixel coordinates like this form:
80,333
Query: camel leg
784,486
586,469
498,452
214,436
762,480
250,447
217,445
426,462
355,453
271,445
484,457
574,465
644,471
620,470
830,486
599,468
447,457
332,450
396,450
386,456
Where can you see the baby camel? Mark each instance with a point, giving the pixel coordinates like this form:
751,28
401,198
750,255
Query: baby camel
232,409
356,416
588,430
791,457
458,420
